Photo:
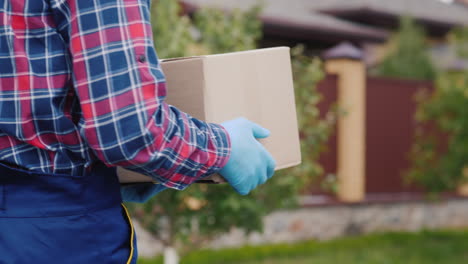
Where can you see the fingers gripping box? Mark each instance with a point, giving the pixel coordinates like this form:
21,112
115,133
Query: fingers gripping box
255,84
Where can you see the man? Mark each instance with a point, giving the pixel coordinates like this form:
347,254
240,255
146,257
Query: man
81,92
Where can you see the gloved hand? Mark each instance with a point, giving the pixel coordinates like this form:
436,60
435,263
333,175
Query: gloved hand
250,164
140,192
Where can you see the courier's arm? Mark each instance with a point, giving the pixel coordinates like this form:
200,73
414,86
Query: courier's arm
121,88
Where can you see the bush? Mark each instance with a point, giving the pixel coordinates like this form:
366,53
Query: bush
408,57
440,152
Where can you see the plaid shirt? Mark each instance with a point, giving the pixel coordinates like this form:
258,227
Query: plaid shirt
80,82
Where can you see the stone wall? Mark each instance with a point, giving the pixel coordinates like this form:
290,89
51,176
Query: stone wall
327,222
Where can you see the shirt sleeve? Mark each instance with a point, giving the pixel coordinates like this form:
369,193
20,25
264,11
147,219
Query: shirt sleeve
121,88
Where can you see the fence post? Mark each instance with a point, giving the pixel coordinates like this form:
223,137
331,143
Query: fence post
346,61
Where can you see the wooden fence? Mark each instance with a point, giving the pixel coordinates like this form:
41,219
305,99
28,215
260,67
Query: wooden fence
389,132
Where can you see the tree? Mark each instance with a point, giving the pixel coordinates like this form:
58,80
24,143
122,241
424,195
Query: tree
226,33
440,152
189,218
459,38
408,57
171,32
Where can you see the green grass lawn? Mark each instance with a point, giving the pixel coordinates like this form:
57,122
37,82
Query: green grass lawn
428,247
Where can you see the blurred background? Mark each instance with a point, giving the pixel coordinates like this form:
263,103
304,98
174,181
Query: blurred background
382,101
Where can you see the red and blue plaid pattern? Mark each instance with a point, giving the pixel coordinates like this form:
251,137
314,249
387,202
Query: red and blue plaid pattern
80,82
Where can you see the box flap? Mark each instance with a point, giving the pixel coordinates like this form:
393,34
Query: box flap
248,52
180,58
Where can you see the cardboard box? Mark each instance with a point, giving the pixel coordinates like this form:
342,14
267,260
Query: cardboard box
254,84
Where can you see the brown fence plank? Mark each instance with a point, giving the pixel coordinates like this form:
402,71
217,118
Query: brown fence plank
328,88
390,128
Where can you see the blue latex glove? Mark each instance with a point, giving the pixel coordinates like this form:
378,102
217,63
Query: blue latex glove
250,164
140,192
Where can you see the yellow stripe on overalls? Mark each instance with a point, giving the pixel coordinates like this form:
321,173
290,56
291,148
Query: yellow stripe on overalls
132,234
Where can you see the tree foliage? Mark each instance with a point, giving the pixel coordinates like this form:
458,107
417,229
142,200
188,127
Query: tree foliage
408,57
190,217
171,32
440,152
459,38
226,33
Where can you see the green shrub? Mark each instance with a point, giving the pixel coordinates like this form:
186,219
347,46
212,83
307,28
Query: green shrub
440,151
409,56
438,163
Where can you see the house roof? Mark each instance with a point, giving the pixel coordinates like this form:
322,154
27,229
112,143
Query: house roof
313,19
430,10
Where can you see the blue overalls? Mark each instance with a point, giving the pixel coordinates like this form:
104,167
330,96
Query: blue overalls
53,218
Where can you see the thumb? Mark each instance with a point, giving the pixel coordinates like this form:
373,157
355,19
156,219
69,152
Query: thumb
259,132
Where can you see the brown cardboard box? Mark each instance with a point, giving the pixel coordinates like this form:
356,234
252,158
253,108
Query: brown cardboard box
254,84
